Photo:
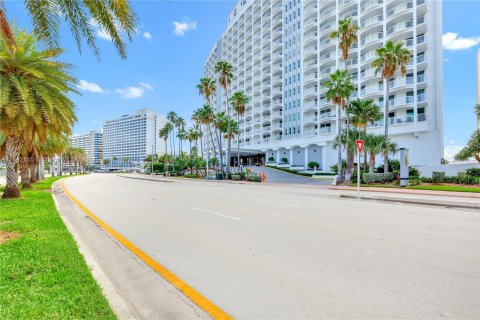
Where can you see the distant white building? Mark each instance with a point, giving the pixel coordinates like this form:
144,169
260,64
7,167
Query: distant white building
129,139
92,144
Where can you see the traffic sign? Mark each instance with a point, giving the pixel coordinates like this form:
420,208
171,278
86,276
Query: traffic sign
360,144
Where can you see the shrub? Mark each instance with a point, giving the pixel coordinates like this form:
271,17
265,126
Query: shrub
474,172
377,177
438,176
271,159
466,179
173,173
254,178
415,181
413,172
313,164
426,179
354,175
236,177
284,160
190,175
324,174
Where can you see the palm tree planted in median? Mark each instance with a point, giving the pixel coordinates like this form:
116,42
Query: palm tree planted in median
112,18
239,101
339,88
390,58
34,98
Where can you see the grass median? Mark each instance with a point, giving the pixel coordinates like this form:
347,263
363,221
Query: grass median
43,275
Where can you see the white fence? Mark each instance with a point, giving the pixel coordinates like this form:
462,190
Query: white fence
451,169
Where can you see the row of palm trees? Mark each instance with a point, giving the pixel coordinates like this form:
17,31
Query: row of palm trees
36,114
391,58
218,124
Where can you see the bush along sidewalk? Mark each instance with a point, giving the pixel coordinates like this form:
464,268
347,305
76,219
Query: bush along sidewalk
43,275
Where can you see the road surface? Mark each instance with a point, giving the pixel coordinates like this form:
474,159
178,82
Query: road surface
278,176
270,252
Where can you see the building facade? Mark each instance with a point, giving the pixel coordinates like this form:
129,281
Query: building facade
282,54
92,144
478,87
129,139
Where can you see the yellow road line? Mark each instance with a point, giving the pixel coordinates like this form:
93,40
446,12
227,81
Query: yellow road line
209,307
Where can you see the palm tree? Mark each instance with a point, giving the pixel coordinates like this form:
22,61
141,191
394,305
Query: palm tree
339,88
373,143
390,58
364,112
221,124
113,18
164,133
225,72
199,136
347,35
386,148
205,116
477,112
180,124
106,162
207,89
239,101
471,149
125,161
172,117
34,100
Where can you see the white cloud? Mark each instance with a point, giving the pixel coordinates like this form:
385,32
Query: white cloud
147,35
182,27
90,87
133,92
450,151
452,41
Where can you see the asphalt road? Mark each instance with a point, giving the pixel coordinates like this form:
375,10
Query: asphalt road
271,252
278,176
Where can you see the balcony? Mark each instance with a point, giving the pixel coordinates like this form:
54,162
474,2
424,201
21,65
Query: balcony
400,7
327,130
371,21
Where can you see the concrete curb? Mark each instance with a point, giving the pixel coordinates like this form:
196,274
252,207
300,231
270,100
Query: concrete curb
446,204
166,180
410,191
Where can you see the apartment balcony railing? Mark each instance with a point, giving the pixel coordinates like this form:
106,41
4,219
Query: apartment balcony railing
371,21
369,4
421,117
326,115
399,7
309,133
327,130
372,37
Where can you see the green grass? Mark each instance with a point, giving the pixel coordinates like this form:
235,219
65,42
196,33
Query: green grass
42,273
459,188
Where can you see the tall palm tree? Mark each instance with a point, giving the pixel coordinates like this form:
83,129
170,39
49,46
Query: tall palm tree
113,18
390,58
220,122
339,88
172,117
471,149
199,136
388,147
477,112
34,98
225,73
207,88
347,35
164,132
180,124
205,116
239,101
364,112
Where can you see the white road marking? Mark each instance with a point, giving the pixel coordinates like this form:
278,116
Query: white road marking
280,203
217,214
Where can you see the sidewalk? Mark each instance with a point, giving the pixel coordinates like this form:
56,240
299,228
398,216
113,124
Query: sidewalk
411,191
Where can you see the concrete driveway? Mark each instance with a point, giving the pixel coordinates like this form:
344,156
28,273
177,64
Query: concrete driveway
264,251
278,176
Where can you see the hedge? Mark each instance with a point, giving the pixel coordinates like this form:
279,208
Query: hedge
438,176
254,178
377,177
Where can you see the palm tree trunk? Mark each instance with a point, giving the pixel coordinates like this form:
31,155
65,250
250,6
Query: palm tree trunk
213,142
371,162
238,143
385,117
365,150
32,164
348,173
12,153
229,144
24,172
339,148
166,157
219,139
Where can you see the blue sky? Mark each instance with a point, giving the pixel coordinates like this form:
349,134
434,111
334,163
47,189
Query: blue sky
165,61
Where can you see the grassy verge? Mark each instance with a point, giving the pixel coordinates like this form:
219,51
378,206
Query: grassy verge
43,275
453,188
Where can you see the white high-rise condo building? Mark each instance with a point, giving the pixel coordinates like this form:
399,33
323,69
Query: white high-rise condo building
282,54
129,139
91,143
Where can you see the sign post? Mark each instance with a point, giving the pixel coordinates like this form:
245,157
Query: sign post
359,144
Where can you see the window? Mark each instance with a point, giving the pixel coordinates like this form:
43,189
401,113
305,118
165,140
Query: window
409,97
421,76
421,95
